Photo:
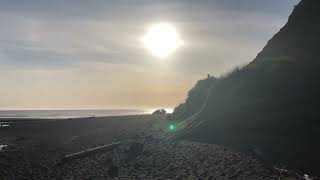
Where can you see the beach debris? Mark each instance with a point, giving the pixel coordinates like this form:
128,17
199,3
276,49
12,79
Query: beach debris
3,146
91,151
113,171
2,125
286,174
306,177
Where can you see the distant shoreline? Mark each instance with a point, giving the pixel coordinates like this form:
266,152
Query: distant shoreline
68,114
32,119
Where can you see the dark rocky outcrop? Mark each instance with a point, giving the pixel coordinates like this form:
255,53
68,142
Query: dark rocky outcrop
159,112
272,104
195,99
299,39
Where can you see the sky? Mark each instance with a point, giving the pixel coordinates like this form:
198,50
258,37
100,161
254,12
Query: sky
79,54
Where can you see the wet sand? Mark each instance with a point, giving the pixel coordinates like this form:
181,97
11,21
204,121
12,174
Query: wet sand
35,149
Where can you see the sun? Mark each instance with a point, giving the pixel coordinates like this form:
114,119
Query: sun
162,40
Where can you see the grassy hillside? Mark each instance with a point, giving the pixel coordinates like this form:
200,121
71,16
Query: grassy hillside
272,104
195,99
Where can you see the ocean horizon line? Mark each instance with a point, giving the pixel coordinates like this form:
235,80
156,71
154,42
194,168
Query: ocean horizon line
75,113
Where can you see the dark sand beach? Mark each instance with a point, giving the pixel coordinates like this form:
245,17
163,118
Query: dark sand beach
36,147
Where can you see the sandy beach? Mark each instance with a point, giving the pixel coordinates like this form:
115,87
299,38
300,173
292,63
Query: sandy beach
36,147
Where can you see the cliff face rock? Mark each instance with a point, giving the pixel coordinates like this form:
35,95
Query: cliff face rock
272,104
299,38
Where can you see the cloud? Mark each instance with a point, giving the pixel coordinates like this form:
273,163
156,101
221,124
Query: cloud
66,33
83,54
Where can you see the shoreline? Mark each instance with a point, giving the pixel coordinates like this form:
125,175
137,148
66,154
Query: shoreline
35,148
68,114
32,119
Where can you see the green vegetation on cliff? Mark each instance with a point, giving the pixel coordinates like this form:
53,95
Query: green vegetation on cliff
272,104
195,99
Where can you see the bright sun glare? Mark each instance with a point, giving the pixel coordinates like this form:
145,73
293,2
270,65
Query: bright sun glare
162,40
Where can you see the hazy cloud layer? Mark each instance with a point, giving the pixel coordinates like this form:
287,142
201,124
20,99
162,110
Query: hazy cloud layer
79,36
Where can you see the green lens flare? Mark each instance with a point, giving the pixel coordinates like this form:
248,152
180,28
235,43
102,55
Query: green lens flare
172,127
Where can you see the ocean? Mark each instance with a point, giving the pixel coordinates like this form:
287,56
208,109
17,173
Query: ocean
61,114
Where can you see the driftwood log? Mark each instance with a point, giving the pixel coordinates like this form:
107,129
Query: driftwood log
91,151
